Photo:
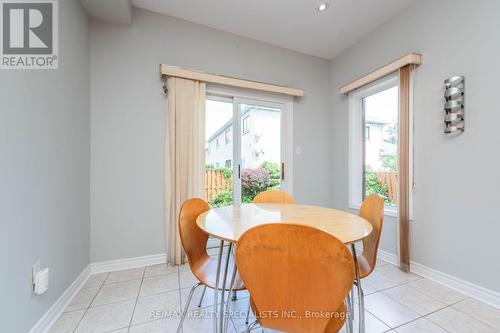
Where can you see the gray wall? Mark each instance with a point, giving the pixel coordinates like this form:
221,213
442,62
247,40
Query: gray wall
457,180
45,174
128,120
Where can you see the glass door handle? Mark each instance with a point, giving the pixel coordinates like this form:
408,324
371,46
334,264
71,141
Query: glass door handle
282,170
239,171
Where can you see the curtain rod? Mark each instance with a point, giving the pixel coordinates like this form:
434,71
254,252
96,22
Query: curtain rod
168,70
411,58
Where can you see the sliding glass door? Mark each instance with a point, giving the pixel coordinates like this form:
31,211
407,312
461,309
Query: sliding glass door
259,152
244,149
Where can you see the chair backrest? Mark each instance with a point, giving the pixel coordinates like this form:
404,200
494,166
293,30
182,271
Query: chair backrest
194,240
372,210
291,269
273,196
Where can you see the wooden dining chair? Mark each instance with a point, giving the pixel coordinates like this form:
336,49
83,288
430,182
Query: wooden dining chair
274,196
372,210
298,277
194,241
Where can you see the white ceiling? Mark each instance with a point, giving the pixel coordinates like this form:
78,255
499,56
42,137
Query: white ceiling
293,24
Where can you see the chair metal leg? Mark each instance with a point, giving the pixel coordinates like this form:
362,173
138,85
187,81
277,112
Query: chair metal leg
202,296
361,303
228,305
361,298
251,326
223,287
349,321
186,307
216,290
248,312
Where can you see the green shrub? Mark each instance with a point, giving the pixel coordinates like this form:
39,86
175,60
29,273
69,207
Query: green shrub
274,174
222,199
372,185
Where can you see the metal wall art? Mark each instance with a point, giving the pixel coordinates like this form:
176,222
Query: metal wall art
454,106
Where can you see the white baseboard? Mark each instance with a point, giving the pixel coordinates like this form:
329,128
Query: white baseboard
49,318
482,294
121,264
389,257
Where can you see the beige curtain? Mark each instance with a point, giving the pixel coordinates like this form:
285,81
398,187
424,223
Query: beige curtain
184,155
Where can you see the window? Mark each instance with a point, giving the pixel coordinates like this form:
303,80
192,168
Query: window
227,164
227,136
374,110
245,125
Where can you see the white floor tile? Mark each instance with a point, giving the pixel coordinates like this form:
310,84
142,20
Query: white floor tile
83,299
106,318
157,326
457,322
239,312
208,300
117,292
367,289
388,310
480,311
160,269
159,306
379,281
437,291
202,321
67,322
159,284
96,280
125,275
414,299
395,274
184,267
372,324
187,279
421,325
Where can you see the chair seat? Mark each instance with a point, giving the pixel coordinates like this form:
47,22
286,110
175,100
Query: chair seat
205,271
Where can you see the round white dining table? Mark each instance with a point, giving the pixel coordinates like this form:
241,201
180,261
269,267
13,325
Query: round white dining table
228,224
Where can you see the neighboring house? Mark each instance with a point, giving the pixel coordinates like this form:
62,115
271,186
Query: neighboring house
376,144
260,140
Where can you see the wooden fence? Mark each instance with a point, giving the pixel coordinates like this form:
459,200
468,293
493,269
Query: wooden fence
391,180
215,183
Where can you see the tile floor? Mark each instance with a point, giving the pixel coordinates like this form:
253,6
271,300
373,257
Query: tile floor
140,300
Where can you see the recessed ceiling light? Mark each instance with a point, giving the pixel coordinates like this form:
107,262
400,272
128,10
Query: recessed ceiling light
322,6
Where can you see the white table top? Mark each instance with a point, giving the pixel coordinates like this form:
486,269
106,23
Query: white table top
230,222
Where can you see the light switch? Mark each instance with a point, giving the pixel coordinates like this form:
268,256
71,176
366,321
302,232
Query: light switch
41,281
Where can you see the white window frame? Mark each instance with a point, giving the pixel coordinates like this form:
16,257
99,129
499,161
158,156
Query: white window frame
284,102
357,134
245,123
